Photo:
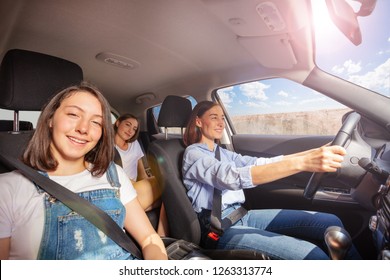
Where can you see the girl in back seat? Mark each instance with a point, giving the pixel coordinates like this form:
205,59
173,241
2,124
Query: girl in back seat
127,129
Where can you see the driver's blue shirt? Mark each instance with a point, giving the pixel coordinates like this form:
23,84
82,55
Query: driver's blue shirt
231,174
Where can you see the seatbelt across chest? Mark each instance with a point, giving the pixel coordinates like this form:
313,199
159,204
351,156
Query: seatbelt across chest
218,226
89,211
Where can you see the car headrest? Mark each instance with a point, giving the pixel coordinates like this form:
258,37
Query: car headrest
7,125
28,79
175,112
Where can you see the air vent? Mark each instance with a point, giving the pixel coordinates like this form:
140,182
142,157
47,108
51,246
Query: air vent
118,60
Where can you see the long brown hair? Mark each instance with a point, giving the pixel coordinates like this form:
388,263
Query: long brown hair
125,117
192,133
38,153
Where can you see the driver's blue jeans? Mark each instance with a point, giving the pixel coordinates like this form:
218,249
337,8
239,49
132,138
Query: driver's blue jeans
282,234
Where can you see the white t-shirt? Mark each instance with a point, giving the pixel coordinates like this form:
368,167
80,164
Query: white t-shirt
130,159
22,207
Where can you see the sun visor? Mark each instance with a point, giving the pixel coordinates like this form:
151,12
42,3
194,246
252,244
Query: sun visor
263,28
279,44
259,19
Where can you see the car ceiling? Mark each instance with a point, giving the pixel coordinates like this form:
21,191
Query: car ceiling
181,47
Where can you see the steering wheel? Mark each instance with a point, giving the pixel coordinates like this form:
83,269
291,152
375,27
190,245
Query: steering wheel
340,139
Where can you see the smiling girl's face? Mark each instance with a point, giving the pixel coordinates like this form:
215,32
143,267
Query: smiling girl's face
76,128
211,124
127,128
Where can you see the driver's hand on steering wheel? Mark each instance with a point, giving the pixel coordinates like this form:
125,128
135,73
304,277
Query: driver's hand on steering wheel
324,159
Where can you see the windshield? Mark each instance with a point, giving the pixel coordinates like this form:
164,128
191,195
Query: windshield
367,64
281,106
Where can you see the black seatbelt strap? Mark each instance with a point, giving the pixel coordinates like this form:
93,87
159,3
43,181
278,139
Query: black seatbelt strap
117,157
218,226
144,159
93,214
215,217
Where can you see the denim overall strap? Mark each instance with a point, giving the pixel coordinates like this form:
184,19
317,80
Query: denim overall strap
112,175
67,235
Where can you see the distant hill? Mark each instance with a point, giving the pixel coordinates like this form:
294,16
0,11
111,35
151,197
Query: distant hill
321,122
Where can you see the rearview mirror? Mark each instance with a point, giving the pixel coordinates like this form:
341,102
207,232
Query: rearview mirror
345,18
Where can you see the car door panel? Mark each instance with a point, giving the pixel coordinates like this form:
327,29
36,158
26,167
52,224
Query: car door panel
275,145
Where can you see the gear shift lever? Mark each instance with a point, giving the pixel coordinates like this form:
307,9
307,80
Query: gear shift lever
338,241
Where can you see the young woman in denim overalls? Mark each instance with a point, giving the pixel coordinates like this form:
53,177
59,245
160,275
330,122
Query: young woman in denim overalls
73,145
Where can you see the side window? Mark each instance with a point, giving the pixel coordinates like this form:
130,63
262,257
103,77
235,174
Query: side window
156,112
280,107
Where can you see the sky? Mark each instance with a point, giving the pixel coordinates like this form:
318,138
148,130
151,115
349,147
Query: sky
367,65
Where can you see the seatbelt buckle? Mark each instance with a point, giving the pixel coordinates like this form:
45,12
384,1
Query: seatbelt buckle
213,235
211,242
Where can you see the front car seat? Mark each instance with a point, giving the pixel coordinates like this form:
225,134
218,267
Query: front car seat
27,81
165,160
9,125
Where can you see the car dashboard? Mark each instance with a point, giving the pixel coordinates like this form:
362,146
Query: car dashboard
373,191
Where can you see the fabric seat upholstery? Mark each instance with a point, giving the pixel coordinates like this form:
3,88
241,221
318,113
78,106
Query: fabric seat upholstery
7,125
165,159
